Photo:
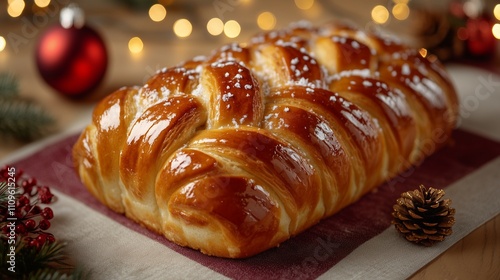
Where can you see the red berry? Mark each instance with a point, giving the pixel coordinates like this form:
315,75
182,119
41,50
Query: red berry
21,228
44,224
28,185
19,213
34,244
30,182
50,238
27,208
41,238
24,200
45,195
30,224
47,213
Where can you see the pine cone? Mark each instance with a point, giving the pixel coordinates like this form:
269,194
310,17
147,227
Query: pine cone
422,217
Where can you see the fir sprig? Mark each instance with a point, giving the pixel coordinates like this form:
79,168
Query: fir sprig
8,85
50,255
37,253
50,260
23,119
20,118
4,197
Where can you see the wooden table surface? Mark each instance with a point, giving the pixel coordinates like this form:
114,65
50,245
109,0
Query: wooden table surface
476,256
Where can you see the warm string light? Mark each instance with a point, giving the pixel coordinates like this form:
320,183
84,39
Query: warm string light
135,45
496,30
496,11
266,20
3,43
304,4
42,3
496,27
215,26
400,11
182,28
380,14
245,2
157,12
15,7
232,29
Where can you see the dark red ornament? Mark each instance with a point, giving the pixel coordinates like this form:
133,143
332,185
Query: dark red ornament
71,56
480,39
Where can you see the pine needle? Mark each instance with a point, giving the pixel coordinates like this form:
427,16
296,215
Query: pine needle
51,254
50,263
8,85
23,119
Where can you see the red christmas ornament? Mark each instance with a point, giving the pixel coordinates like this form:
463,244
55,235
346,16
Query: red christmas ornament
71,56
480,41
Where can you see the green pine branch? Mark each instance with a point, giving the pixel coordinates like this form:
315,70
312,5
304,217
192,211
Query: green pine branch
4,196
8,85
23,119
20,118
48,263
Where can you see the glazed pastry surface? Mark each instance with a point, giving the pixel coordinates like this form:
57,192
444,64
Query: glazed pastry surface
233,153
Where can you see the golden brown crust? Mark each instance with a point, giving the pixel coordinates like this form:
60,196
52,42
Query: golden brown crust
234,153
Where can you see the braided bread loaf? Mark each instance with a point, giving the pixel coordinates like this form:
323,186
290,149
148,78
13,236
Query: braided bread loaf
234,153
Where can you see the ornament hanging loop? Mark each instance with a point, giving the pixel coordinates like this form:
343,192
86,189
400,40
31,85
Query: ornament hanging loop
72,16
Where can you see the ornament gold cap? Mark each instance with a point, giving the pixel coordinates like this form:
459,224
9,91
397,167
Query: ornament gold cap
72,16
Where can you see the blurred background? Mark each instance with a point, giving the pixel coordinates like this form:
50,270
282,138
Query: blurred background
127,41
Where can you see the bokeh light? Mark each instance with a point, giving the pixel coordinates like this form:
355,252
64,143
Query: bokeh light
496,11
472,9
496,30
380,14
232,29
135,45
42,3
304,4
3,43
182,28
15,8
157,12
266,21
215,26
400,11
